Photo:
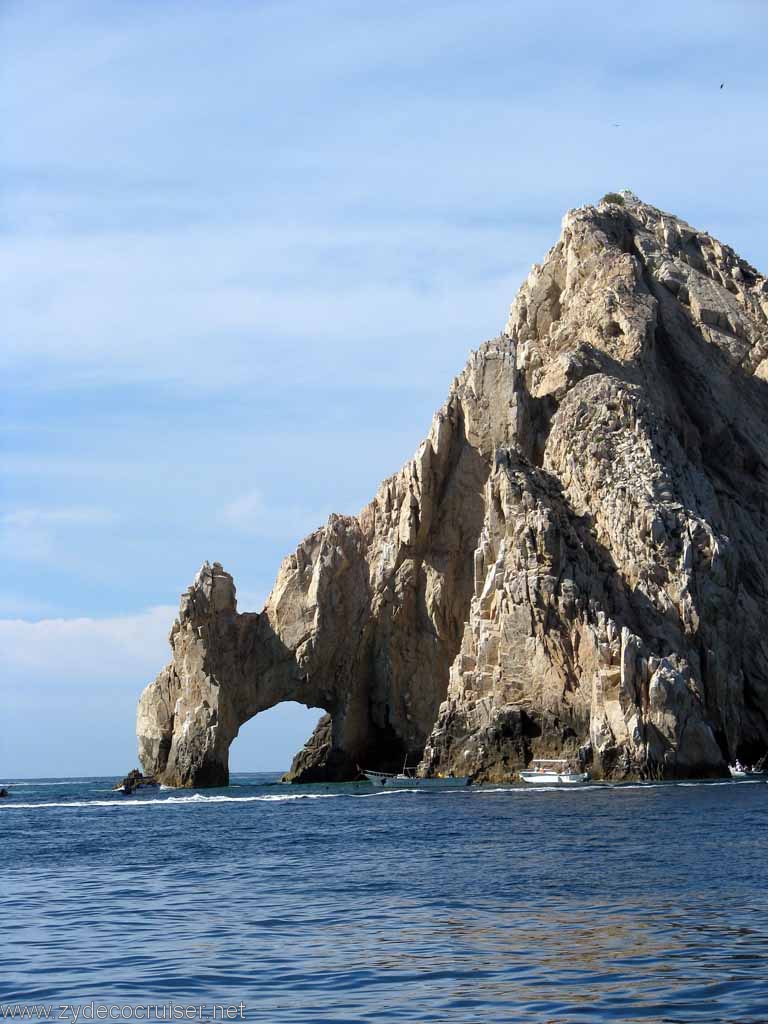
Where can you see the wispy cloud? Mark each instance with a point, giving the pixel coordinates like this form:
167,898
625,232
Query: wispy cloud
211,308
22,518
69,689
35,534
87,651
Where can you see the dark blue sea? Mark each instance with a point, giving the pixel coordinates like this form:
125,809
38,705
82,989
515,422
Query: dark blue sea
306,904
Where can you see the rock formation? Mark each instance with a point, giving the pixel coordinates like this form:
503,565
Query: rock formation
134,781
574,562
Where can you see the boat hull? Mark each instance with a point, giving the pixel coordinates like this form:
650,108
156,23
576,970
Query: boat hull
555,778
384,781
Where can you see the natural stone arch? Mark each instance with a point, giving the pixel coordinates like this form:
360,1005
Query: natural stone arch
227,668
364,620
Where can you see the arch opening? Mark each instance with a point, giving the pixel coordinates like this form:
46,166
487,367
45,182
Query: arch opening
268,741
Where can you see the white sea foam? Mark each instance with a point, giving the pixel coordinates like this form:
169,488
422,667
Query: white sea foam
393,792
178,801
723,782
601,787
277,798
506,789
200,798
636,785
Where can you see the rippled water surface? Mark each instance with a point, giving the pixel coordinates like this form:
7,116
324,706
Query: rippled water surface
310,904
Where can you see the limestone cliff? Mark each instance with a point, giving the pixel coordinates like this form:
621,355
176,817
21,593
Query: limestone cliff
574,561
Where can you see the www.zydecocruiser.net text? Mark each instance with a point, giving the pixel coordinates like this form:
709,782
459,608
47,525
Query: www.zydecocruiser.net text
75,1013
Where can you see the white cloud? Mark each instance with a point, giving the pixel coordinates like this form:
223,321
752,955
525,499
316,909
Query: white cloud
69,689
86,650
23,518
282,304
36,534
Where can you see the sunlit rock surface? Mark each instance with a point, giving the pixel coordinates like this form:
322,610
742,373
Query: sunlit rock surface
574,561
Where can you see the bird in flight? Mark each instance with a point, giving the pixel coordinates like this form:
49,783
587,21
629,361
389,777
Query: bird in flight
722,84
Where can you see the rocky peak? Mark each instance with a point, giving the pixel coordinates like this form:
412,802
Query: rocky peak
572,562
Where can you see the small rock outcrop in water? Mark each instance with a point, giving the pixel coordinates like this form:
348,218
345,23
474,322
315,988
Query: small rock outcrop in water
575,562
135,780
3,792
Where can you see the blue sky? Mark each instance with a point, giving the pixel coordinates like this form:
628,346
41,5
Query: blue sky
245,247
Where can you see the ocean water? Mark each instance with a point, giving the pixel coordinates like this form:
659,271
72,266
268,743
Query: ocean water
335,903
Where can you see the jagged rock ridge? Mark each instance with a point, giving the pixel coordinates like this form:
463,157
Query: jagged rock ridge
574,561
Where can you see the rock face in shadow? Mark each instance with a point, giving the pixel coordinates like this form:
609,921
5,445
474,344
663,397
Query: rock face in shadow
573,563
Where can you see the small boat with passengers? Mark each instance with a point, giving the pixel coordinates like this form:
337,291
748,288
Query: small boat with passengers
740,771
553,771
408,779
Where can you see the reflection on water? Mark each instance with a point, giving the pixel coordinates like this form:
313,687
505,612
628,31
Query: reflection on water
626,904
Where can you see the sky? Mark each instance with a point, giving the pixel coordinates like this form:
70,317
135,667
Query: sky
244,249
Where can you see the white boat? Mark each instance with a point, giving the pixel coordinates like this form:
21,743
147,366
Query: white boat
740,771
553,772
408,779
